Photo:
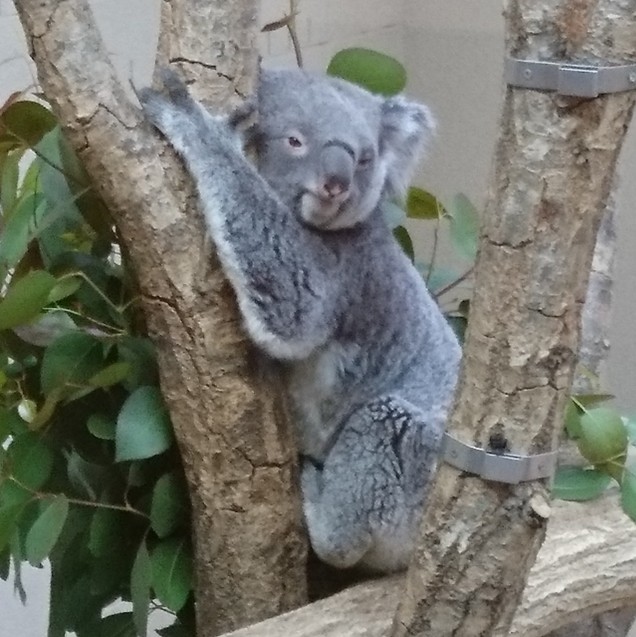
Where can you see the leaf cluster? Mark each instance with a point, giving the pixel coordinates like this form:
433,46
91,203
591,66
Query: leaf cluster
90,477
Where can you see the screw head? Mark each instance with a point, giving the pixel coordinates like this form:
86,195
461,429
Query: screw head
527,73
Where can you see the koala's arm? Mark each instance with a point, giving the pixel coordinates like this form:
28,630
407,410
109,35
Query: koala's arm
284,277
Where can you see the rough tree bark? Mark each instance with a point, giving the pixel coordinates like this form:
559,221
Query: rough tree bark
554,165
593,353
237,450
586,565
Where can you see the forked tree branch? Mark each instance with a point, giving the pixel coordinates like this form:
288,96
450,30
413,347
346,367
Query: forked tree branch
586,565
238,453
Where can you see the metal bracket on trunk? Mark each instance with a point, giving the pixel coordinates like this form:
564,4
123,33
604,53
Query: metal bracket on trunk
497,467
570,78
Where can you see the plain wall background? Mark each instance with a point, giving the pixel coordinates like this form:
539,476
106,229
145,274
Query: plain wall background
452,50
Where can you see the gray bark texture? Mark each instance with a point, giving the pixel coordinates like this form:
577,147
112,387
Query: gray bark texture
554,164
237,448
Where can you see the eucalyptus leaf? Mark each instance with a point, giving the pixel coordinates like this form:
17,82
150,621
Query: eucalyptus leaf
46,530
25,298
167,509
404,239
101,426
603,439
111,375
105,531
70,360
375,71
30,460
16,234
579,484
143,426
9,516
464,227
27,121
140,580
46,328
628,494
9,182
421,204
172,573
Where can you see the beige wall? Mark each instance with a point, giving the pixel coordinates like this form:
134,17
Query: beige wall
452,50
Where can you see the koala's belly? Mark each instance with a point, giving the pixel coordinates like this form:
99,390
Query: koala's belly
315,389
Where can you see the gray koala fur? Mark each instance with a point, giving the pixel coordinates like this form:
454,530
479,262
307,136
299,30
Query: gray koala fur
370,362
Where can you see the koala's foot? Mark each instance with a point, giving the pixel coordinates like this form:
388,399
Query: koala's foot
363,507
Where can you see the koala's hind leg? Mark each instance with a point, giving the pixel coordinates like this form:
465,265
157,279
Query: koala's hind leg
363,506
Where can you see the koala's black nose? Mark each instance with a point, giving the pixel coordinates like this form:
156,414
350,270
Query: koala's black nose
337,165
335,185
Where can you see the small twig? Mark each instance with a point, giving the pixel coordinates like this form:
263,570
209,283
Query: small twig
293,33
455,283
87,503
434,250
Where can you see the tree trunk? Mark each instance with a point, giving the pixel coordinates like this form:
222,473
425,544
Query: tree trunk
236,447
554,164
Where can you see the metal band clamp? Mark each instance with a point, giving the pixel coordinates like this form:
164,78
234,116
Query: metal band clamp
497,467
570,78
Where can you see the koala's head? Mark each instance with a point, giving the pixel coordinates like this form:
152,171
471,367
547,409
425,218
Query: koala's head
331,150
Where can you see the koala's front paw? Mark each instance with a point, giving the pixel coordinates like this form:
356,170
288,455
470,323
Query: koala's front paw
173,111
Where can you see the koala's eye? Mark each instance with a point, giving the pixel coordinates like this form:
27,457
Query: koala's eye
365,160
294,142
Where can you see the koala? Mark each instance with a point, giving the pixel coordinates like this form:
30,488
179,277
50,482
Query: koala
370,363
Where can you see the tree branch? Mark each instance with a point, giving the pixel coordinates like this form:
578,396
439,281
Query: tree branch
237,450
586,565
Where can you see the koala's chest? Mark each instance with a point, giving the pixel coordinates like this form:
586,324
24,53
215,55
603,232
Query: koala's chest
316,389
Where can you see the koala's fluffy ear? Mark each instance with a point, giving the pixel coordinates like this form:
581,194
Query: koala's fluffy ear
405,129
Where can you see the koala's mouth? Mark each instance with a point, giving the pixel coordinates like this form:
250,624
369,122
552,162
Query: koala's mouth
322,212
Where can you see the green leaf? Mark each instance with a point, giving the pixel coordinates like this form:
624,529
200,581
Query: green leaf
394,214
579,484
64,288
9,181
105,532
31,461
464,227
143,426
404,239
110,375
44,533
88,478
118,625
421,204
140,580
46,328
9,517
628,494
630,427
140,354
101,426
375,71
577,406
439,278
25,298
167,509
16,234
70,360
27,121
172,573
603,440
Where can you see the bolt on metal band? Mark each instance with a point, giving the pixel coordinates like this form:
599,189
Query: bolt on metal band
570,78
497,467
